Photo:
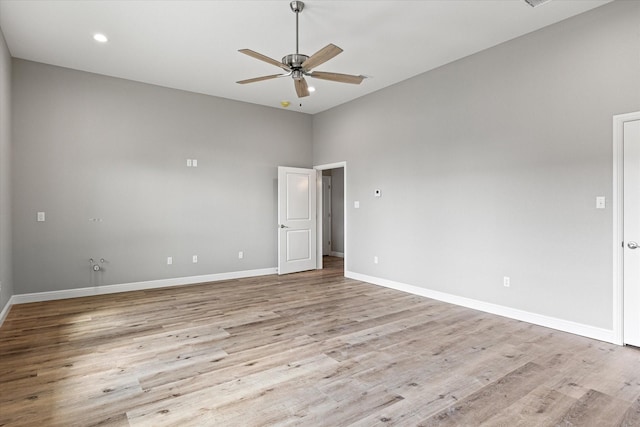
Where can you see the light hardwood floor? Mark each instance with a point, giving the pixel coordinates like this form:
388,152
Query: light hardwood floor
312,349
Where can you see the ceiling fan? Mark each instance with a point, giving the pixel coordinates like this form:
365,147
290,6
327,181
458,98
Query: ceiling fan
299,65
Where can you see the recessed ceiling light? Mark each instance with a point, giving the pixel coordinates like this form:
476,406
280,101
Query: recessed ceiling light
100,38
311,89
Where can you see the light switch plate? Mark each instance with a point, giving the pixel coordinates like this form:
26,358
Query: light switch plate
194,162
356,204
40,217
601,202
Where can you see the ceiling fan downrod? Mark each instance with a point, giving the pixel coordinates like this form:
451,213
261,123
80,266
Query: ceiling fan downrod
295,60
297,6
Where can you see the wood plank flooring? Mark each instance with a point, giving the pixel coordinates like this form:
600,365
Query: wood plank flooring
312,349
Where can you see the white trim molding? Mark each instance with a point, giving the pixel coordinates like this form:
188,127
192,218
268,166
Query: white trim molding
338,254
327,166
5,310
136,286
618,225
500,310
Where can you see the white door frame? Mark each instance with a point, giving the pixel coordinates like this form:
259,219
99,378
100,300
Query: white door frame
326,243
320,168
618,223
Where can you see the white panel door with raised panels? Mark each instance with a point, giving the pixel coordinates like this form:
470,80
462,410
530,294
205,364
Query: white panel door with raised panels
296,219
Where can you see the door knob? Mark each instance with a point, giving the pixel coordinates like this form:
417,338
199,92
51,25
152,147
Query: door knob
284,226
632,245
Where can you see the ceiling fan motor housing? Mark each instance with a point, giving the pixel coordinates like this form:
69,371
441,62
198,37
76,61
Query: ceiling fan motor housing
294,60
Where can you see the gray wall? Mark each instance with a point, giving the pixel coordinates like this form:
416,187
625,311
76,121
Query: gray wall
105,159
337,210
5,174
490,166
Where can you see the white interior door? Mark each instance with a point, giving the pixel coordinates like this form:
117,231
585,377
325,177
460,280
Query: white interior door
326,215
296,219
631,230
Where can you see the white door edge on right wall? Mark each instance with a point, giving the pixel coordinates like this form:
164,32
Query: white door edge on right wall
626,232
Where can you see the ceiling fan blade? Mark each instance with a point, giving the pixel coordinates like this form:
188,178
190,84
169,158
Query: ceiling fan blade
259,79
321,56
264,58
337,77
301,87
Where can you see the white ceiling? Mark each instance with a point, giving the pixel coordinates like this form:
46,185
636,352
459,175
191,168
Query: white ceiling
193,45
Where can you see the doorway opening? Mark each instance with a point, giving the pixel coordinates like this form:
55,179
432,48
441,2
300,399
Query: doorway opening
332,213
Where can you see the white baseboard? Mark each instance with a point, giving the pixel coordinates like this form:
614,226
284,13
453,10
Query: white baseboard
136,286
338,254
5,310
512,313
500,310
